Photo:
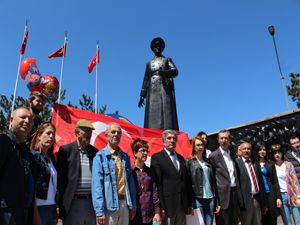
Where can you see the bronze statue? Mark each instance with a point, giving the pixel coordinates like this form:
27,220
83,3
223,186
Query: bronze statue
158,89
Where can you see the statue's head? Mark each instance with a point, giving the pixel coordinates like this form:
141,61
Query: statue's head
157,45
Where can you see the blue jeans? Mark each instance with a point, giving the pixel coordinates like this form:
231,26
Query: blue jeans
288,210
207,207
47,214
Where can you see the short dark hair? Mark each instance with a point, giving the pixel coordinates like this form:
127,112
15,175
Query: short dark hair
276,148
137,144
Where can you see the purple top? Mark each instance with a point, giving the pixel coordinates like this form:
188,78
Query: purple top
147,195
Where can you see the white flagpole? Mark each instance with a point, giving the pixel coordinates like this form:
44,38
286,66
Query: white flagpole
96,94
17,77
62,67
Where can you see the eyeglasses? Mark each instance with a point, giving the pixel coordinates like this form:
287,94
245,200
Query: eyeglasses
143,150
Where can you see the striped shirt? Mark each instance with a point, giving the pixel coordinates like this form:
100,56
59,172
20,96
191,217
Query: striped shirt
85,175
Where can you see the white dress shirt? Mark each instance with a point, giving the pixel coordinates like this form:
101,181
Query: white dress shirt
249,174
230,167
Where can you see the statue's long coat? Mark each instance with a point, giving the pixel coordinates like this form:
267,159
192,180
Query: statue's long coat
160,111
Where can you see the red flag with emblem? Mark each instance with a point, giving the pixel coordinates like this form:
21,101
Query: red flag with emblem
61,52
24,43
64,118
94,61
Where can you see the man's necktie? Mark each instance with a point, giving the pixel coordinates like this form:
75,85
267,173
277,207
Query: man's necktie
174,160
252,175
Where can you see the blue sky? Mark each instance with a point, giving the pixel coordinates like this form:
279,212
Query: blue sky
228,73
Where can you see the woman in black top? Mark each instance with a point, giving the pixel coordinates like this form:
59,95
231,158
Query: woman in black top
200,172
45,175
271,185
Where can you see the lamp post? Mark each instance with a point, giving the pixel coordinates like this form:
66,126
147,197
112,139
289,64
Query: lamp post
271,29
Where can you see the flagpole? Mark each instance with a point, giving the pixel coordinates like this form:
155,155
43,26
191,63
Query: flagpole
17,77
96,94
62,67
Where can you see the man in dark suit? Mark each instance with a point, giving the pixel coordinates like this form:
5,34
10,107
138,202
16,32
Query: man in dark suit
16,178
226,181
172,180
252,188
74,167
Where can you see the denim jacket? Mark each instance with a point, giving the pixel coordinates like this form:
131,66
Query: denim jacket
104,186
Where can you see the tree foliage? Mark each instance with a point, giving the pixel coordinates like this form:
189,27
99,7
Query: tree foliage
294,88
86,103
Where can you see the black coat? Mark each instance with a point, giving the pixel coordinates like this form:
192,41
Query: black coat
245,183
174,187
15,163
158,89
68,163
43,174
195,172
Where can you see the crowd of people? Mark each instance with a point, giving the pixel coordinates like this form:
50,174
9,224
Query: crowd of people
252,185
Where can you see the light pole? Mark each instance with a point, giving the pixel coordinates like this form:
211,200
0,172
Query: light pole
271,29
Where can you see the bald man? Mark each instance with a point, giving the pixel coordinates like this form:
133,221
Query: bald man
16,180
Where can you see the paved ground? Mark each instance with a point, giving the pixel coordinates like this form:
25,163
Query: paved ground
279,221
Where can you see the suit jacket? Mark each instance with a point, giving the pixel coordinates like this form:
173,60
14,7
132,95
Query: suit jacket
14,178
222,178
174,187
245,181
272,181
68,163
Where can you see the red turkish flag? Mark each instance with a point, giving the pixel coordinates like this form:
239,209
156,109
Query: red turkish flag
94,61
64,118
24,43
61,52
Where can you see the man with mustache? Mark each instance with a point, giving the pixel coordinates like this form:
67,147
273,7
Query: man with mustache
113,187
252,188
16,178
74,168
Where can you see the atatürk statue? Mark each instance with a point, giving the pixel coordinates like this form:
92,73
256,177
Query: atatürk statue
158,89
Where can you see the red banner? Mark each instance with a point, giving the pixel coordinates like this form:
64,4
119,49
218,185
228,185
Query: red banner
65,118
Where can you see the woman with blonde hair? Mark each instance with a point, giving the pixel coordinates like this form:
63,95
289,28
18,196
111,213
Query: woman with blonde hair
45,176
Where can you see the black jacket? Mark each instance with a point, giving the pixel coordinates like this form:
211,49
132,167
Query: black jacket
174,187
15,182
68,163
42,177
245,183
195,172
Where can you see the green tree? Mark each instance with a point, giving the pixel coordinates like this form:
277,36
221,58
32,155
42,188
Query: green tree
5,107
294,88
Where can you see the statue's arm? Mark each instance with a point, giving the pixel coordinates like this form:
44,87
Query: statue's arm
172,70
143,93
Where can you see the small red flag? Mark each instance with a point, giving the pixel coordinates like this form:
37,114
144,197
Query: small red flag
24,43
61,52
94,61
